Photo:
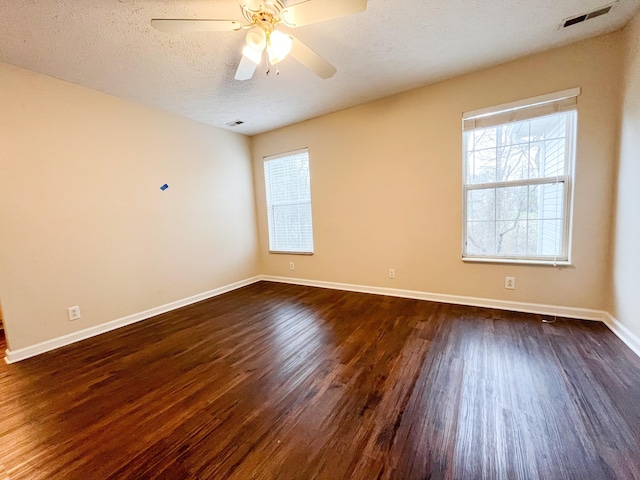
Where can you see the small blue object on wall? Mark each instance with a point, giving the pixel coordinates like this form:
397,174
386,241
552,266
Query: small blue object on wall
164,187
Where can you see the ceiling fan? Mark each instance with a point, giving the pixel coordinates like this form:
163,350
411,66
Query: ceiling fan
262,17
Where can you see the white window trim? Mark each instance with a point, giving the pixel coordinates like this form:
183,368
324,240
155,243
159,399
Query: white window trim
567,179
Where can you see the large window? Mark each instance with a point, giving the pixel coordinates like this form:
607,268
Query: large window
288,188
518,164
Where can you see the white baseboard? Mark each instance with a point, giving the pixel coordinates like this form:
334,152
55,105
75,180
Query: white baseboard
542,309
13,356
616,327
623,333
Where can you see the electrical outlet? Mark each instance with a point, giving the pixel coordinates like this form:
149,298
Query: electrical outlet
292,266
392,273
74,313
510,283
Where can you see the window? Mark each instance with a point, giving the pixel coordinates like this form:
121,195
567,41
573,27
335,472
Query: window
518,164
288,188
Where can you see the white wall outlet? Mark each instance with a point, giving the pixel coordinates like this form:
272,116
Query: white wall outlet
510,283
74,313
292,266
392,273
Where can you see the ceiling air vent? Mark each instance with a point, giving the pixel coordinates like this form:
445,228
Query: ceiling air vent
235,123
587,16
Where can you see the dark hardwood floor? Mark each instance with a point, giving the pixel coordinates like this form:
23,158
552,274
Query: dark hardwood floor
286,382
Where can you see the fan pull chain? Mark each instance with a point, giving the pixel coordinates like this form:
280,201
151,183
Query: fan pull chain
277,70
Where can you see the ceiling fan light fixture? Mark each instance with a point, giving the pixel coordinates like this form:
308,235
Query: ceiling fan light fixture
278,47
256,39
253,55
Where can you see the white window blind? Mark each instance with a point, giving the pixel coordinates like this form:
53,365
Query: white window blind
288,189
518,166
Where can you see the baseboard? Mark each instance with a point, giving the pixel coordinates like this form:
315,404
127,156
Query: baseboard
623,333
13,356
542,309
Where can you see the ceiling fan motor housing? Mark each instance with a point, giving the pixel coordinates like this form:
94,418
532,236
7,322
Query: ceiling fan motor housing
262,13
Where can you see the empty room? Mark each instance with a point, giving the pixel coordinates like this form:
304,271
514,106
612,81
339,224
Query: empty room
321,239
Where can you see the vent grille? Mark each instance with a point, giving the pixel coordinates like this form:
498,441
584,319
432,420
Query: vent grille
235,123
587,16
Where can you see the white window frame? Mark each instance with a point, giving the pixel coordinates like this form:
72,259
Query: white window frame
506,113
270,205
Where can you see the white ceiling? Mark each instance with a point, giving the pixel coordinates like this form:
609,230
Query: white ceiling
394,46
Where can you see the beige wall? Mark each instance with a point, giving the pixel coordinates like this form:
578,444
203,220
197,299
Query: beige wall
386,183
626,235
83,221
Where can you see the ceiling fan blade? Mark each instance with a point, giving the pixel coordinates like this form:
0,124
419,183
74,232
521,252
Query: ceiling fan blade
313,11
246,69
311,59
195,25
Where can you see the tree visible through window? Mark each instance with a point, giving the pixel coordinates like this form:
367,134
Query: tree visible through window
517,182
288,190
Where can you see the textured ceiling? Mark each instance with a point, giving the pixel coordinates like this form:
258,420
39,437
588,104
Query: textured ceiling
394,46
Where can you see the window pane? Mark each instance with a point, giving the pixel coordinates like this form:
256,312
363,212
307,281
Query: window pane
288,191
469,141
549,126
480,238
550,234
485,138
546,201
529,220
551,200
513,133
534,206
513,162
481,204
528,149
533,238
468,166
292,227
511,237
484,166
511,203
525,219
545,238
553,156
536,159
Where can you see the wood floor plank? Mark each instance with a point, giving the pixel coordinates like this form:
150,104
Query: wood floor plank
276,381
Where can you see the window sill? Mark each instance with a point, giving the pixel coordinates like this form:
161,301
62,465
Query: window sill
518,261
277,252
